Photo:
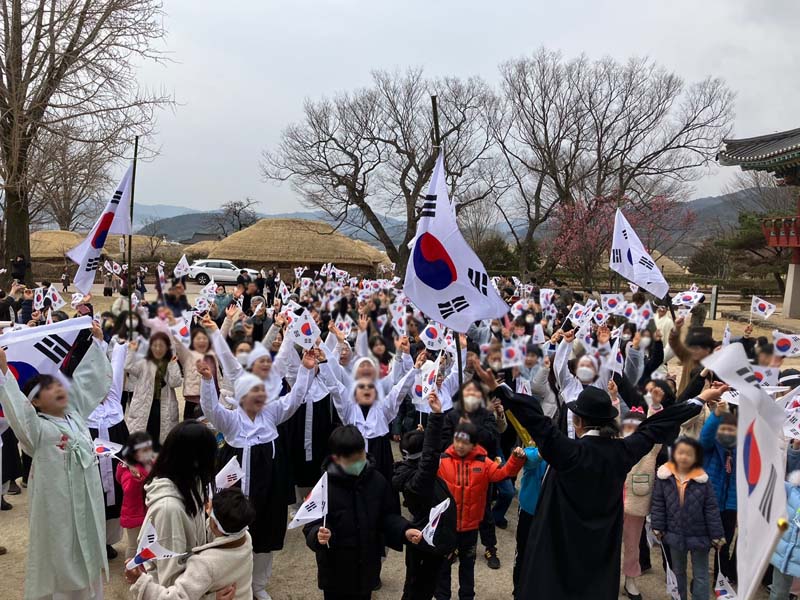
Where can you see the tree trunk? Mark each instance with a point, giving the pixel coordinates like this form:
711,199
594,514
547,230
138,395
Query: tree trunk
18,235
779,280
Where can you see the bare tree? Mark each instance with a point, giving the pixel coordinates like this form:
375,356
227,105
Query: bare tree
362,155
759,192
234,216
156,237
574,129
478,222
69,62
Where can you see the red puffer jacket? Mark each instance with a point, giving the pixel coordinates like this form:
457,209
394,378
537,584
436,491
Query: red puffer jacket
468,479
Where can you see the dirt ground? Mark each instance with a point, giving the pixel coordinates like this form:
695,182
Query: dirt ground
294,575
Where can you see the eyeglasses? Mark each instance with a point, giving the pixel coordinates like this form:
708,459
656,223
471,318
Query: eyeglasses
366,386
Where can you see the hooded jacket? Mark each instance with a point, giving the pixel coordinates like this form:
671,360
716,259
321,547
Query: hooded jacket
716,457
787,553
691,524
133,507
175,528
468,479
422,489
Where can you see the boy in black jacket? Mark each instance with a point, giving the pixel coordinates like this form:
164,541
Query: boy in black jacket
360,519
416,477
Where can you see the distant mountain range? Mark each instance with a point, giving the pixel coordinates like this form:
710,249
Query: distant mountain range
180,223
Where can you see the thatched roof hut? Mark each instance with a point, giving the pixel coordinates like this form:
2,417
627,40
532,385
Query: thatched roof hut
286,243
202,249
50,245
53,245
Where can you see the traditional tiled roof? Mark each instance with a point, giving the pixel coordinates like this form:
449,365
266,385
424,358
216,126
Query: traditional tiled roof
774,152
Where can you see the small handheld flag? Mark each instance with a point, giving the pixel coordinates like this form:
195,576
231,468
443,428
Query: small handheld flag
785,344
182,268
149,549
761,307
315,507
436,513
630,259
106,448
229,474
304,331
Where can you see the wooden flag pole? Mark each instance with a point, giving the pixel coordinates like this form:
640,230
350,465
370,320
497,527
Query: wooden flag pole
130,241
438,144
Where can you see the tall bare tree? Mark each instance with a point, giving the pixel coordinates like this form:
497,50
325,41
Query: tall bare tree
234,216
758,192
575,129
69,62
360,156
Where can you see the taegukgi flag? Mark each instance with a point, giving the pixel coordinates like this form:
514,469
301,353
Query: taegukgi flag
116,218
786,344
149,549
229,474
444,278
316,505
760,467
761,307
630,259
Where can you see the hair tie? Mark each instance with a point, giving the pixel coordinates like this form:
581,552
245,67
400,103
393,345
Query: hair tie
637,409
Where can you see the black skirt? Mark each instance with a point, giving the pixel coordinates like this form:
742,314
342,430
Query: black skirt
118,434
269,482
380,453
12,465
306,473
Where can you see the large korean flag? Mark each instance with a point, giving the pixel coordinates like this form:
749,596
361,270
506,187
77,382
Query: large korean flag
760,467
42,350
444,277
116,218
632,261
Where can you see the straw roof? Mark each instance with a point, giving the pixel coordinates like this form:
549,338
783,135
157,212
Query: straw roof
202,249
295,242
54,244
667,265
376,255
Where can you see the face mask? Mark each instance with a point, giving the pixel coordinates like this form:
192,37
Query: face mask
242,358
644,342
146,458
496,328
529,319
496,365
355,468
726,440
625,337
471,403
135,323
648,397
585,374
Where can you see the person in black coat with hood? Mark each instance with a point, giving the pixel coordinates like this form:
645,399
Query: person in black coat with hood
416,478
360,518
580,510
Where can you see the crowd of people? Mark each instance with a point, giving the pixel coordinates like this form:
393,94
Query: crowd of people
613,459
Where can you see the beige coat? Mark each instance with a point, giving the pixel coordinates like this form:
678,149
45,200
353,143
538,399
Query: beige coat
191,378
639,484
139,409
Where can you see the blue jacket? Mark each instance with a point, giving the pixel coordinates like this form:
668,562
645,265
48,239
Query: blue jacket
531,484
716,455
787,553
692,525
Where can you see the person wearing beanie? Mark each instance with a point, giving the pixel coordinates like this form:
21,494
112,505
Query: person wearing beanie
638,494
718,439
468,471
199,349
415,477
580,511
251,435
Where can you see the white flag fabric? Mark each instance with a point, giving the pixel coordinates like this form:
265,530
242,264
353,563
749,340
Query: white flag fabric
209,291
726,335
182,268
630,259
723,590
316,505
761,307
433,337
538,335
615,361
229,474
786,344
56,301
672,580
612,303
149,549
105,447
41,350
767,376
688,298
513,355
546,297
38,298
433,520
345,324
430,372
399,323
181,330
303,331
116,218
760,467
444,277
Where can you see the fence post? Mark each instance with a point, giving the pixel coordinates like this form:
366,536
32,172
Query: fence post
714,295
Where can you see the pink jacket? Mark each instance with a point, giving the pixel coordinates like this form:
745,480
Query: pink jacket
133,508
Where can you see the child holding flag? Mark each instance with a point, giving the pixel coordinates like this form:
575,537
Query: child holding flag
67,547
138,456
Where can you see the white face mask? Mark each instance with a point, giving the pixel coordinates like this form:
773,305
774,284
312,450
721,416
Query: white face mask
496,328
472,403
529,318
135,323
625,337
242,358
648,397
644,342
496,366
585,374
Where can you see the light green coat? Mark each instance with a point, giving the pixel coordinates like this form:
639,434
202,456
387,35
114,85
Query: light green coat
67,548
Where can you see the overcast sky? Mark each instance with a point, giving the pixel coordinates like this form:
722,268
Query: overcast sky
243,67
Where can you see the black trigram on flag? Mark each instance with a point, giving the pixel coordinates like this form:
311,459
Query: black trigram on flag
455,305
765,505
311,506
625,233
616,255
479,279
748,375
92,264
647,263
429,206
117,197
231,477
53,347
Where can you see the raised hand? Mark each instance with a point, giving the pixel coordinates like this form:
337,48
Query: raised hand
435,403
203,369
421,358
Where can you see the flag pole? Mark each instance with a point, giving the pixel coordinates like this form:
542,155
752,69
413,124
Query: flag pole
130,240
437,140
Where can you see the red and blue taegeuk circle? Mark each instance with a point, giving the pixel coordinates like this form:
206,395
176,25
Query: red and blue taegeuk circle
22,372
432,263
783,344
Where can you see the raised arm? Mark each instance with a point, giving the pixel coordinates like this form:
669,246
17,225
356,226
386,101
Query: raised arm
231,368
391,403
338,391
282,409
226,421
118,356
19,412
91,381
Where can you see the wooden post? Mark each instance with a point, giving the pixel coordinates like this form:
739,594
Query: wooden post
130,240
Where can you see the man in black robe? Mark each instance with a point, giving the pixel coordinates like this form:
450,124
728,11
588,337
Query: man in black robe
574,545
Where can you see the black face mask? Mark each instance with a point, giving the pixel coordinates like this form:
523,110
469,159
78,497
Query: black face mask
726,440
